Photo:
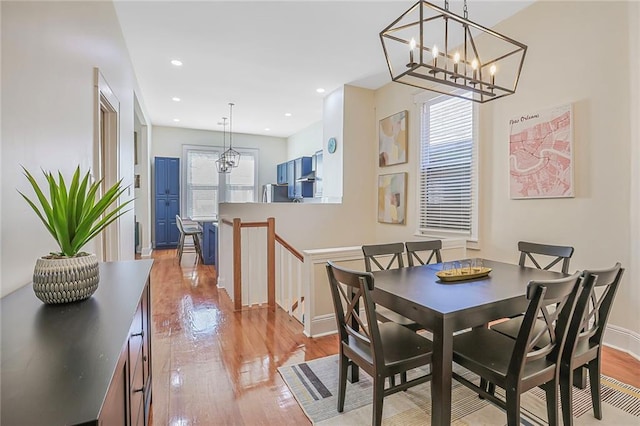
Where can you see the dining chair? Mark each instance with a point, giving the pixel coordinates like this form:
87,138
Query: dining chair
383,257
380,349
584,339
524,363
414,247
389,254
536,252
193,231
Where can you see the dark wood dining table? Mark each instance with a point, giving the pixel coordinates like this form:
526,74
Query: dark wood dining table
443,308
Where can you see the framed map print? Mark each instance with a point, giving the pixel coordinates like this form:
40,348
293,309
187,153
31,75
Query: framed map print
392,198
392,140
541,154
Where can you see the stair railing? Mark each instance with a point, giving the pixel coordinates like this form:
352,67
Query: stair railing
244,270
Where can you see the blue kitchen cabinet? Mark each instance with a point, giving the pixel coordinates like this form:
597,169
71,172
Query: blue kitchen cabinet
291,179
210,243
167,201
296,169
303,166
282,174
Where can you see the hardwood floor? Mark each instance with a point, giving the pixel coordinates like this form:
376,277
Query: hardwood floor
212,365
215,366
621,366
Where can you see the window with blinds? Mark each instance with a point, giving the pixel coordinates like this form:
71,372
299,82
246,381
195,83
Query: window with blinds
240,184
447,164
203,187
201,182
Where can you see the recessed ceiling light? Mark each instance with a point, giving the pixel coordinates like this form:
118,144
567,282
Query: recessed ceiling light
320,90
266,129
177,120
176,62
287,114
175,99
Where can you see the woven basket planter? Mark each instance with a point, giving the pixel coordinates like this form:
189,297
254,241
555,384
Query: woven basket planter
65,280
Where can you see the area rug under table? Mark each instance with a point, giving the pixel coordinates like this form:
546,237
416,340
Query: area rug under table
314,384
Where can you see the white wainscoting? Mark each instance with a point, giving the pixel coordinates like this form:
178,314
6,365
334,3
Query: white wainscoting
320,319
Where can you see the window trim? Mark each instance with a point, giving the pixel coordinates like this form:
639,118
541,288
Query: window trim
222,180
255,152
183,172
420,100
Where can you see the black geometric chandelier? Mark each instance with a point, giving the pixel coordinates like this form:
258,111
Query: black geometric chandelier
229,158
434,49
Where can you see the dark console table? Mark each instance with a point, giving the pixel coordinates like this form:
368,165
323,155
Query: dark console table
83,363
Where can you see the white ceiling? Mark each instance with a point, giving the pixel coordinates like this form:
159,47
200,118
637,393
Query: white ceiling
266,57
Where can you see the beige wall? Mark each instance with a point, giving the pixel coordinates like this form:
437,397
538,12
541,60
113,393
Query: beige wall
49,51
358,132
561,67
390,99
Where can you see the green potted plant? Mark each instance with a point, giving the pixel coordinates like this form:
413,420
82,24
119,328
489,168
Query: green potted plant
73,215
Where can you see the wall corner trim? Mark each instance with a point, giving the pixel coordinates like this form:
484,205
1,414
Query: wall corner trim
622,339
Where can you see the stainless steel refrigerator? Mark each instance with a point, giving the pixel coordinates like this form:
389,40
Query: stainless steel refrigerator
272,193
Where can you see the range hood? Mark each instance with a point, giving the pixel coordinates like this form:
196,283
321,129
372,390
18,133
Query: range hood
316,173
310,177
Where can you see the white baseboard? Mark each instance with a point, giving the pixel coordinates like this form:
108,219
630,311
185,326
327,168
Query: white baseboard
622,339
146,252
322,325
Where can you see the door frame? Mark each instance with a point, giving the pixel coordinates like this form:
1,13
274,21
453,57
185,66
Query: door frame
106,159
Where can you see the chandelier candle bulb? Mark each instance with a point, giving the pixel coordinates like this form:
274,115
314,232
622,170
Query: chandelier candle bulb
474,66
456,59
412,46
434,51
492,71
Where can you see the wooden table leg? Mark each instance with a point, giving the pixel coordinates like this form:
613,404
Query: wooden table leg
442,369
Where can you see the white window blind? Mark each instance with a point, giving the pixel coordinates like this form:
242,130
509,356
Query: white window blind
203,187
447,166
201,182
241,182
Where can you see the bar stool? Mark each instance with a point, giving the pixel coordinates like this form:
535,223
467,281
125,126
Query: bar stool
193,231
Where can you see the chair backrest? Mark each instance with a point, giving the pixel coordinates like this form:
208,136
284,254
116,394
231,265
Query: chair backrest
374,253
179,224
592,309
348,289
535,252
413,247
552,301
